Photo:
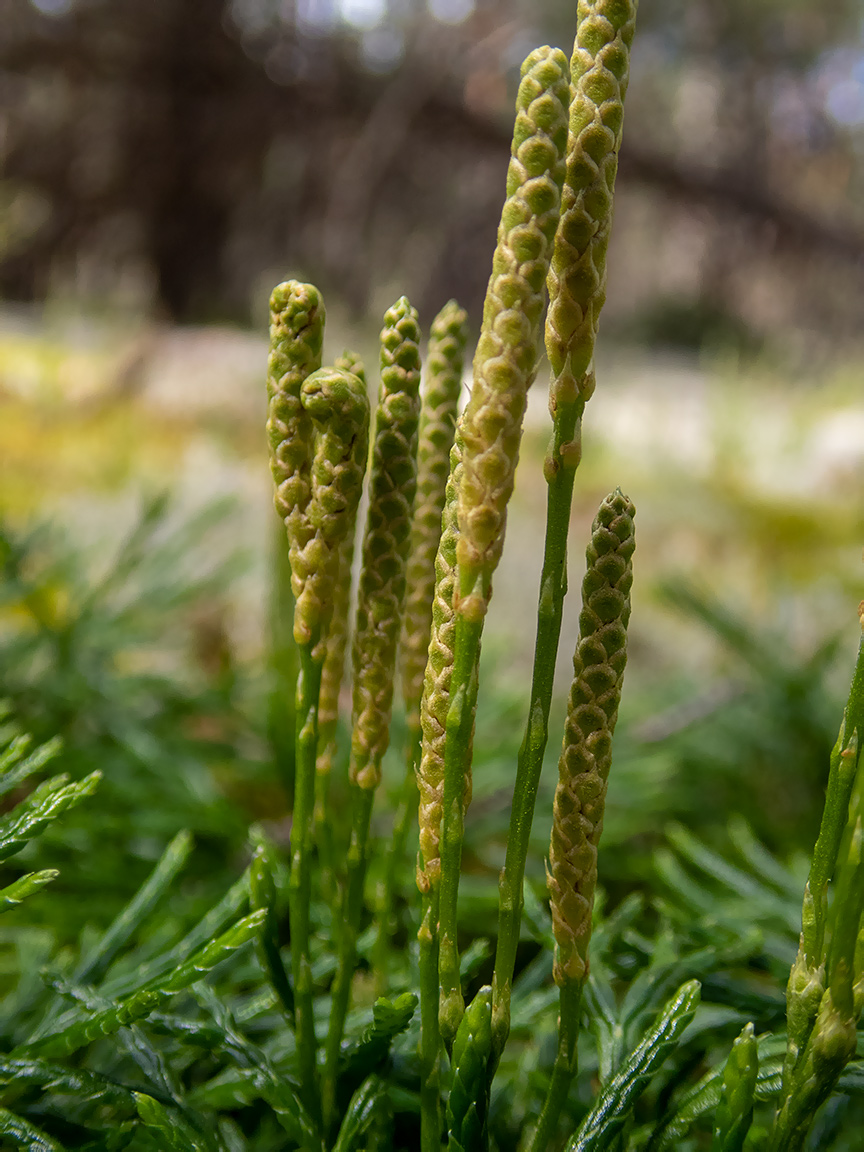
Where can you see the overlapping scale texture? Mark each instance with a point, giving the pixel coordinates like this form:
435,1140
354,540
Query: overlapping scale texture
577,277
466,1105
444,367
386,540
296,338
338,406
435,701
337,634
583,769
506,357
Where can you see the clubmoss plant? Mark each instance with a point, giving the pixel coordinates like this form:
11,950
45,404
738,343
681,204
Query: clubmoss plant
211,1021
380,607
825,994
444,369
490,430
333,671
318,484
426,576
599,70
583,772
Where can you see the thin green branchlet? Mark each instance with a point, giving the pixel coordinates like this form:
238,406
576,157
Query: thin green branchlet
381,600
577,290
490,430
466,1104
735,1108
825,993
448,336
583,771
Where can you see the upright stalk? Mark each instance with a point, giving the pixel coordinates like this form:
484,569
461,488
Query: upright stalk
430,783
300,876
332,676
577,291
296,336
491,428
283,662
444,368
583,770
325,410
380,606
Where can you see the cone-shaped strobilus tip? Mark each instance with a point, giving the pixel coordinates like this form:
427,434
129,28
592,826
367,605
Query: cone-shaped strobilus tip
586,755
444,367
380,607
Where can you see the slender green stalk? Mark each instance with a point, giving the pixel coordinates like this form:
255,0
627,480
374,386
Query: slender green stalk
430,784
444,368
583,771
326,410
459,735
430,1039
491,428
300,877
380,606
577,291
564,1068
283,661
394,861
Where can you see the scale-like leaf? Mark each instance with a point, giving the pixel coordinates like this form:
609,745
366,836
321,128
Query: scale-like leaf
213,953
93,1027
734,1113
91,1087
703,1097
216,920
16,765
140,1004
608,1116
20,1133
365,1103
467,1102
43,805
262,888
12,895
174,1134
389,1018
98,960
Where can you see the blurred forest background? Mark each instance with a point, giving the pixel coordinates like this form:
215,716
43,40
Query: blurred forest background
163,164
176,157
